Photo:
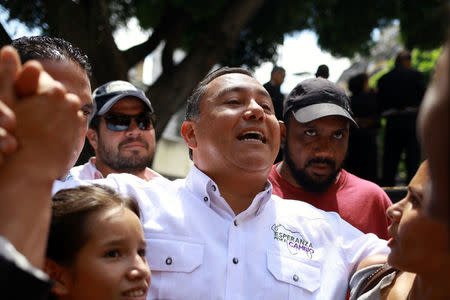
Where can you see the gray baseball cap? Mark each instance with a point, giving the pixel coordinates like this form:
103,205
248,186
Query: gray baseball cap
315,98
108,94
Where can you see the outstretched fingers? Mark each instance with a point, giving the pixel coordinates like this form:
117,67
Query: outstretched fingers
10,66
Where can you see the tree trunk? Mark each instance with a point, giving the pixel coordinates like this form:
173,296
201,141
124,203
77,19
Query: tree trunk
171,90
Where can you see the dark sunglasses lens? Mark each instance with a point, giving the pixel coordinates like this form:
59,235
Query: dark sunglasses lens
122,122
117,123
144,122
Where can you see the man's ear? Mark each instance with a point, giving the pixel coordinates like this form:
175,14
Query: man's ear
188,133
92,136
282,134
60,277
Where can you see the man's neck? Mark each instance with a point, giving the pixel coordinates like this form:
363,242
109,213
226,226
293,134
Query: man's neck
239,190
106,170
285,172
274,83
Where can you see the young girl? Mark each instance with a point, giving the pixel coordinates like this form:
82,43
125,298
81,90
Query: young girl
96,246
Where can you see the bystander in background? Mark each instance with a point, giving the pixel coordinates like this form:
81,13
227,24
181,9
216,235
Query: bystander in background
323,72
362,158
273,87
400,92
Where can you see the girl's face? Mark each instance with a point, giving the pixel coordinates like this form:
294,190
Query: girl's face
112,264
418,244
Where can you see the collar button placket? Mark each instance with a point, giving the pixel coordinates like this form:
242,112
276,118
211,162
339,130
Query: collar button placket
235,257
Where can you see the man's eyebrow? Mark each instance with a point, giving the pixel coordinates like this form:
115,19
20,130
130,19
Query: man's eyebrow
118,242
240,89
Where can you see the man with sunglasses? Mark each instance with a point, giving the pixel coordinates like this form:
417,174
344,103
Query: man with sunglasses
121,132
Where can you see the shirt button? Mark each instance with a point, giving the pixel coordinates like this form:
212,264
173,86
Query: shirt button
235,223
295,277
205,199
169,261
235,260
214,188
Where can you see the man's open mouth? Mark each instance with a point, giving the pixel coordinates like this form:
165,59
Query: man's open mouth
252,136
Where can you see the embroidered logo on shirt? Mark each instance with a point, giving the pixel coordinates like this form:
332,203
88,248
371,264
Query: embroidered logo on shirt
294,241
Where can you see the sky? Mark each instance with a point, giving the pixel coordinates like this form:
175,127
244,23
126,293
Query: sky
299,53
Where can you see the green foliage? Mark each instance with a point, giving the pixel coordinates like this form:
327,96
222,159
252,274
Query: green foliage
259,41
423,23
425,61
344,27
149,12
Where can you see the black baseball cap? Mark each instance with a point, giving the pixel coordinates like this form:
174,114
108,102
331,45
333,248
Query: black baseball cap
316,98
108,94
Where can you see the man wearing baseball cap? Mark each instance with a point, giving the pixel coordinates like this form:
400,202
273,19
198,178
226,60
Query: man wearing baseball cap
121,132
317,116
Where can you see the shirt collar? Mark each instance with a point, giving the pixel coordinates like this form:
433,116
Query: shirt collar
207,191
96,174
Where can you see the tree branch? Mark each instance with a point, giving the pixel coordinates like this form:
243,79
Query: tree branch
171,89
137,53
167,57
5,39
166,29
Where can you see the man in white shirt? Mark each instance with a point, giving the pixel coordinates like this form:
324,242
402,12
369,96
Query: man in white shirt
220,233
121,132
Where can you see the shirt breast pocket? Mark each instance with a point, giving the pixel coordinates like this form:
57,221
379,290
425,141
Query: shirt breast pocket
172,263
295,278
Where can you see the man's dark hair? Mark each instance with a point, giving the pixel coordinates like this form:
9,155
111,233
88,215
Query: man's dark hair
402,56
323,71
277,69
356,83
95,123
193,102
52,48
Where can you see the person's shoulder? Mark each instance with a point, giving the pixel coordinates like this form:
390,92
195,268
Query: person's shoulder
300,208
137,182
77,169
273,174
83,172
368,190
375,259
67,184
386,76
360,182
417,74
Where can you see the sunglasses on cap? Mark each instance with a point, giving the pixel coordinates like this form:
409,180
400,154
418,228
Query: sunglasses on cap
121,122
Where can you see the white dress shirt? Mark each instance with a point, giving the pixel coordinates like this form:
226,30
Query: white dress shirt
197,248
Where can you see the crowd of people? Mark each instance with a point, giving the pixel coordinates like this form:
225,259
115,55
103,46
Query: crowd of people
238,226
396,98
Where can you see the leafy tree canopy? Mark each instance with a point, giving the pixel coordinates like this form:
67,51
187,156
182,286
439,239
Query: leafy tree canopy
232,32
